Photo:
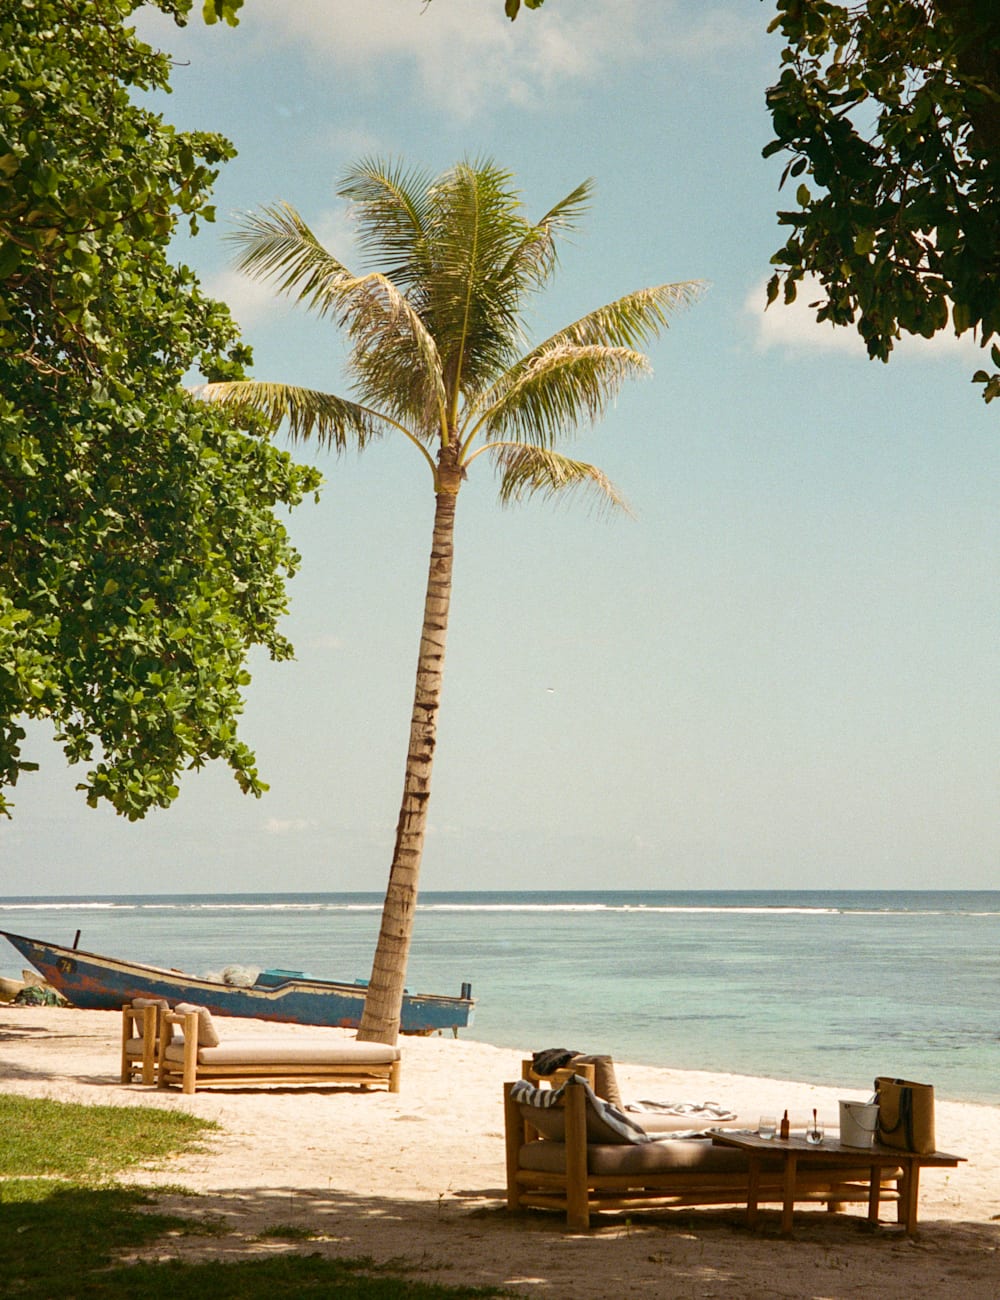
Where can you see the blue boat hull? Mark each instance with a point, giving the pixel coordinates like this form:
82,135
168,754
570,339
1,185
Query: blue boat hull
98,983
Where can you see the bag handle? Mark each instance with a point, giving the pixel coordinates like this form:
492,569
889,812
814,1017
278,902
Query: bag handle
904,1119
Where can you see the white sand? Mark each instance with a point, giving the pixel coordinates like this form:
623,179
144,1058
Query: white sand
419,1176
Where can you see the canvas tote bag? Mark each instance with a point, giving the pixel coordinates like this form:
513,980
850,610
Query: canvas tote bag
905,1115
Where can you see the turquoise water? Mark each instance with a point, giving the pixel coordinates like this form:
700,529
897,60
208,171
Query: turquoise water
825,987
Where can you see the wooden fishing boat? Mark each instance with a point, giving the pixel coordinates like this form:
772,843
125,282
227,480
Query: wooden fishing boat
96,983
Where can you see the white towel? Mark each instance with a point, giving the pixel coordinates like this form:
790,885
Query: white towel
696,1109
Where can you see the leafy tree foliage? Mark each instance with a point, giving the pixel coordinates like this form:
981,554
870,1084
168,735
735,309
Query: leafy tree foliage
140,553
892,109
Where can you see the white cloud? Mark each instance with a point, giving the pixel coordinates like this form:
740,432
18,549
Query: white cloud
795,328
451,43
325,642
289,825
249,300
449,830
466,54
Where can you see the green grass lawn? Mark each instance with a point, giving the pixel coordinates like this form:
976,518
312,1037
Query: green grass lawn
65,1223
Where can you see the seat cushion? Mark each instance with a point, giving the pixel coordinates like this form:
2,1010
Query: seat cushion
140,1004
683,1155
680,1155
208,1035
605,1079
290,1051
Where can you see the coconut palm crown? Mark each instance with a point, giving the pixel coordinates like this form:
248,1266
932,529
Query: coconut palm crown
439,357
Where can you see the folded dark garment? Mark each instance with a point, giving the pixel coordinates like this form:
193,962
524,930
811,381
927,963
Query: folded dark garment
551,1059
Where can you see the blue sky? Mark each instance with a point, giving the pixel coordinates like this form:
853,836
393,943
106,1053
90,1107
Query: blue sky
782,673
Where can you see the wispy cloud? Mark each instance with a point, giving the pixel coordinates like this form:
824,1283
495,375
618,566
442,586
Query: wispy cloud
289,825
327,641
794,328
250,301
465,55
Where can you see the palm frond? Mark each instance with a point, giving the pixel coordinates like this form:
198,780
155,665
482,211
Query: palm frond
536,471
277,244
556,391
336,421
473,294
631,321
564,214
536,257
390,206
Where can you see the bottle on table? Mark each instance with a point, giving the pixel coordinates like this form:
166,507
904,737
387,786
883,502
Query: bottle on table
785,1126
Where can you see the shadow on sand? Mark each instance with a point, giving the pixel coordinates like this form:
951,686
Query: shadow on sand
468,1238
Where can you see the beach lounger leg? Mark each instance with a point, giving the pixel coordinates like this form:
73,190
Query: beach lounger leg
874,1192
514,1134
788,1205
909,1190
753,1190
577,1192
126,1035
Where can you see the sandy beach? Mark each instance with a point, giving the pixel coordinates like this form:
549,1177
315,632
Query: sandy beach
418,1177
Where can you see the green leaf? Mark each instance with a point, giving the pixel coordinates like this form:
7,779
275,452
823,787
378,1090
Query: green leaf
11,256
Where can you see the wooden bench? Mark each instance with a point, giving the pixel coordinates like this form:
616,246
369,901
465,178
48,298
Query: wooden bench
280,1060
578,1177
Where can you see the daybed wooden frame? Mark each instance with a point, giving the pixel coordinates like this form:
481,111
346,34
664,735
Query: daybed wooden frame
578,1193
140,1043
190,1073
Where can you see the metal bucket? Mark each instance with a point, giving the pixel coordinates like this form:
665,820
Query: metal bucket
858,1123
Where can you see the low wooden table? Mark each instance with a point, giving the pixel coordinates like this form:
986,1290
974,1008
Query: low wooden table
832,1152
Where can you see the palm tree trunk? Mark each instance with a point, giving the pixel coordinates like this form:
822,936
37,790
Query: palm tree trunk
384,999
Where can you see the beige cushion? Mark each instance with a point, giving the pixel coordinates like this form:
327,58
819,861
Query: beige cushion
680,1155
290,1051
605,1080
140,1004
691,1155
207,1034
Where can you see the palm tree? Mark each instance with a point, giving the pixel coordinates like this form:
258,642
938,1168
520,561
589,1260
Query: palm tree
439,358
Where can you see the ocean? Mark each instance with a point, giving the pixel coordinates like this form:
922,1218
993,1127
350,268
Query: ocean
825,987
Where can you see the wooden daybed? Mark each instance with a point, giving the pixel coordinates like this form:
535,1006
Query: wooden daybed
583,1165
195,1057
